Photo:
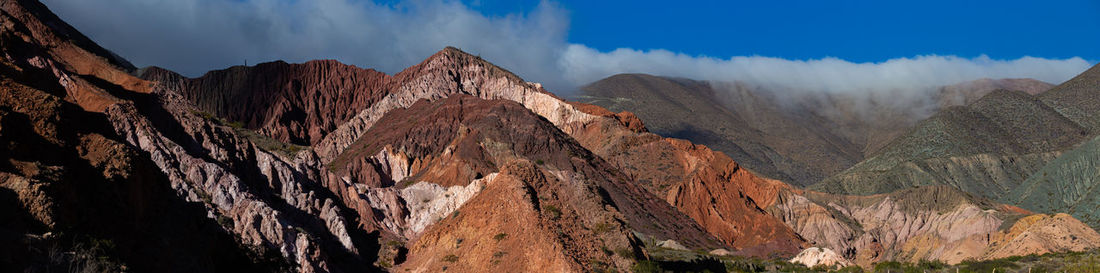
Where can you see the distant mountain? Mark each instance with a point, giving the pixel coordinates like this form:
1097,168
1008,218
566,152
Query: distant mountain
1077,99
986,148
1032,151
800,138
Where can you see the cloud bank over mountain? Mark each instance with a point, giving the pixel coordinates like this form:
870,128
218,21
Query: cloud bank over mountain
214,34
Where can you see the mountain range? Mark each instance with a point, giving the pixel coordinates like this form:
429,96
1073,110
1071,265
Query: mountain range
795,136
455,164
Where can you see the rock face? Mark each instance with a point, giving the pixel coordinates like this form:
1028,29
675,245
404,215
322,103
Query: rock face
295,103
816,256
70,184
539,181
708,186
928,223
799,138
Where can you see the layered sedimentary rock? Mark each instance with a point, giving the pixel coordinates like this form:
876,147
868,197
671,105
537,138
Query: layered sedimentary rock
295,103
928,223
85,189
532,170
816,257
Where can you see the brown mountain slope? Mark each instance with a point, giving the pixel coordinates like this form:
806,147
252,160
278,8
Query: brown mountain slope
295,103
796,137
72,186
693,110
559,193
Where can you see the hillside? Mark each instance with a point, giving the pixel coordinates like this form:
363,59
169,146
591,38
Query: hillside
800,138
1066,184
985,148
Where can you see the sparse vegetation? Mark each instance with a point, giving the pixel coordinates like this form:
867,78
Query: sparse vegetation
235,124
203,114
602,227
625,253
205,197
497,255
647,267
84,254
269,144
553,212
450,258
500,236
225,221
664,260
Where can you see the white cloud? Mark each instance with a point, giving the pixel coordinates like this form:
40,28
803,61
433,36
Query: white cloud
583,64
192,36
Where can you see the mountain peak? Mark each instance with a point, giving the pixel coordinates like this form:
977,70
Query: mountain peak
453,58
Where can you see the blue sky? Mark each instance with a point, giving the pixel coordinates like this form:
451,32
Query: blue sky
859,31
807,45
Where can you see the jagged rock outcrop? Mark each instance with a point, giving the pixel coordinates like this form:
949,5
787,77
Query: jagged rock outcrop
263,201
267,202
928,223
84,192
558,181
725,199
522,224
295,103
816,256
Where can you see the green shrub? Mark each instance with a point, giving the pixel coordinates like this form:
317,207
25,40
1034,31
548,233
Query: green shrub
647,267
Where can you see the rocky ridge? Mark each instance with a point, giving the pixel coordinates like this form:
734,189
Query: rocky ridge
453,163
